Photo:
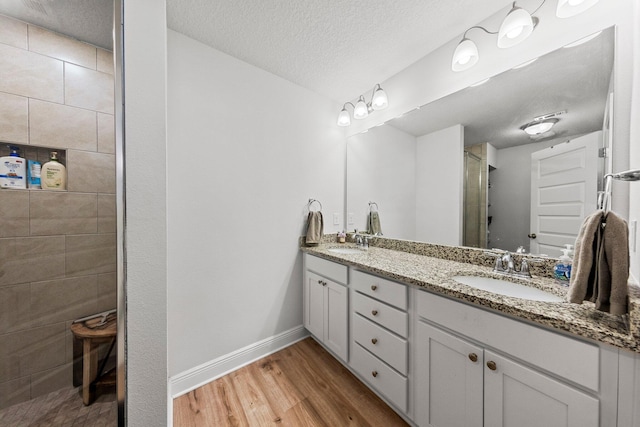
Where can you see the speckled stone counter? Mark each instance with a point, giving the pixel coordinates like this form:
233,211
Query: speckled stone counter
435,274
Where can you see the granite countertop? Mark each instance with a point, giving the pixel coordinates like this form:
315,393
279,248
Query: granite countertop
435,275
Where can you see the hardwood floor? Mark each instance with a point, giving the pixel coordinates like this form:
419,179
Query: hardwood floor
301,385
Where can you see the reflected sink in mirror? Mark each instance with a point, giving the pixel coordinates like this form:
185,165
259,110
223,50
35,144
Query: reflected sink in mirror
345,251
509,289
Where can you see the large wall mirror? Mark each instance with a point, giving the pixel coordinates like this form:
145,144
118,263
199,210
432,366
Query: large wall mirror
463,171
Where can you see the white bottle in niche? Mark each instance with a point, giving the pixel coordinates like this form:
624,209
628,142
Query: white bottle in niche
13,170
53,175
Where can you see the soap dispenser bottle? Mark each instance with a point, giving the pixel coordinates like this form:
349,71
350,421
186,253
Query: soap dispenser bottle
562,270
13,170
53,175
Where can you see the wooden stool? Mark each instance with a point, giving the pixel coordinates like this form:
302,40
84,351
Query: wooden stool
91,339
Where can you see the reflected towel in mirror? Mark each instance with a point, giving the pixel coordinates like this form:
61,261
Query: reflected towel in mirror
374,224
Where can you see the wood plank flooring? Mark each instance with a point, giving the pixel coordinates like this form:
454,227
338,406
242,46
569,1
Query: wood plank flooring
301,385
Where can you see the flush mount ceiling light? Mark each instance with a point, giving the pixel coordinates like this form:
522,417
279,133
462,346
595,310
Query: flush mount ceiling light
516,26
569,8
537,128
379,101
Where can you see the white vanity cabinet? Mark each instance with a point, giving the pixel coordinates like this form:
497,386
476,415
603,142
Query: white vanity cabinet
326,303
506,373
379,331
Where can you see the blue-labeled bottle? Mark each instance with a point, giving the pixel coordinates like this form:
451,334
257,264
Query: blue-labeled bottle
13,170
562,270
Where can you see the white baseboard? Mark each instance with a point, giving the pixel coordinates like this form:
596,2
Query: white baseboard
195,377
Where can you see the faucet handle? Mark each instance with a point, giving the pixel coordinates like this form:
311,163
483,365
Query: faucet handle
524,264
498,256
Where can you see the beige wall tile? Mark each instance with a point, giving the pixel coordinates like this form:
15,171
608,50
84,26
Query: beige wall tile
14,308
106,134
30,259
30,74
14,213
107,284
106,213
56,125
63,299
58,46
25,352
13,32
15,391
105,61
88,89
51,380
90,254
91,172
62,213
14,118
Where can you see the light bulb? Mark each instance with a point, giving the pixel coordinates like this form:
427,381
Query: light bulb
465,56
360,111
569,8
517,26
343,118
379,100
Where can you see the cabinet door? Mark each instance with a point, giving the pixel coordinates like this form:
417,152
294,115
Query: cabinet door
314,304
517,396
335,323
448,380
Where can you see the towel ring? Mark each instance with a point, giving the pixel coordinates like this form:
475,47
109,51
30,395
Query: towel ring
311,202
371,206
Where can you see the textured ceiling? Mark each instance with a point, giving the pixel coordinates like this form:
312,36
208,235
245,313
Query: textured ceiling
88,20
573,79
337,48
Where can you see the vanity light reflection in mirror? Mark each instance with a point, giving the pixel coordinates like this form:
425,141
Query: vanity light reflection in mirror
414,165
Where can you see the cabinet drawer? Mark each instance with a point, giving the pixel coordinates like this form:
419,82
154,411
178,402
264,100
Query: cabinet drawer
329,269
381,377
385,290
385,345
559,354
383,314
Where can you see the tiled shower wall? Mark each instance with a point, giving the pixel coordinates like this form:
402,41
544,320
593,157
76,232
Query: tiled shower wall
57,249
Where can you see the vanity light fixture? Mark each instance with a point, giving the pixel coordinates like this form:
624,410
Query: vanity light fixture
569,8
379,101
515,27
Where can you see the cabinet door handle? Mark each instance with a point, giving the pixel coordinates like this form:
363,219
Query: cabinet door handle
374,341
324,283
492,365
374,287
374,312
374,373
473,357
319,282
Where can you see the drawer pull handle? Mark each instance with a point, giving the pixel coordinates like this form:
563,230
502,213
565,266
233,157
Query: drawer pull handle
473,357
374,341
374,287
492,365
374,373
374,312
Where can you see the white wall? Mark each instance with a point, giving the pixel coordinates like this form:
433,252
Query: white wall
381,168
510,196
246,150
146,261
439,187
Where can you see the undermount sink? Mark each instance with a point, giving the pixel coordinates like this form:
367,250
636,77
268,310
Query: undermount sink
344,251
508,289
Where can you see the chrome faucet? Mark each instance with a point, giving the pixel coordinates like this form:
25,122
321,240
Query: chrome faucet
505,264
